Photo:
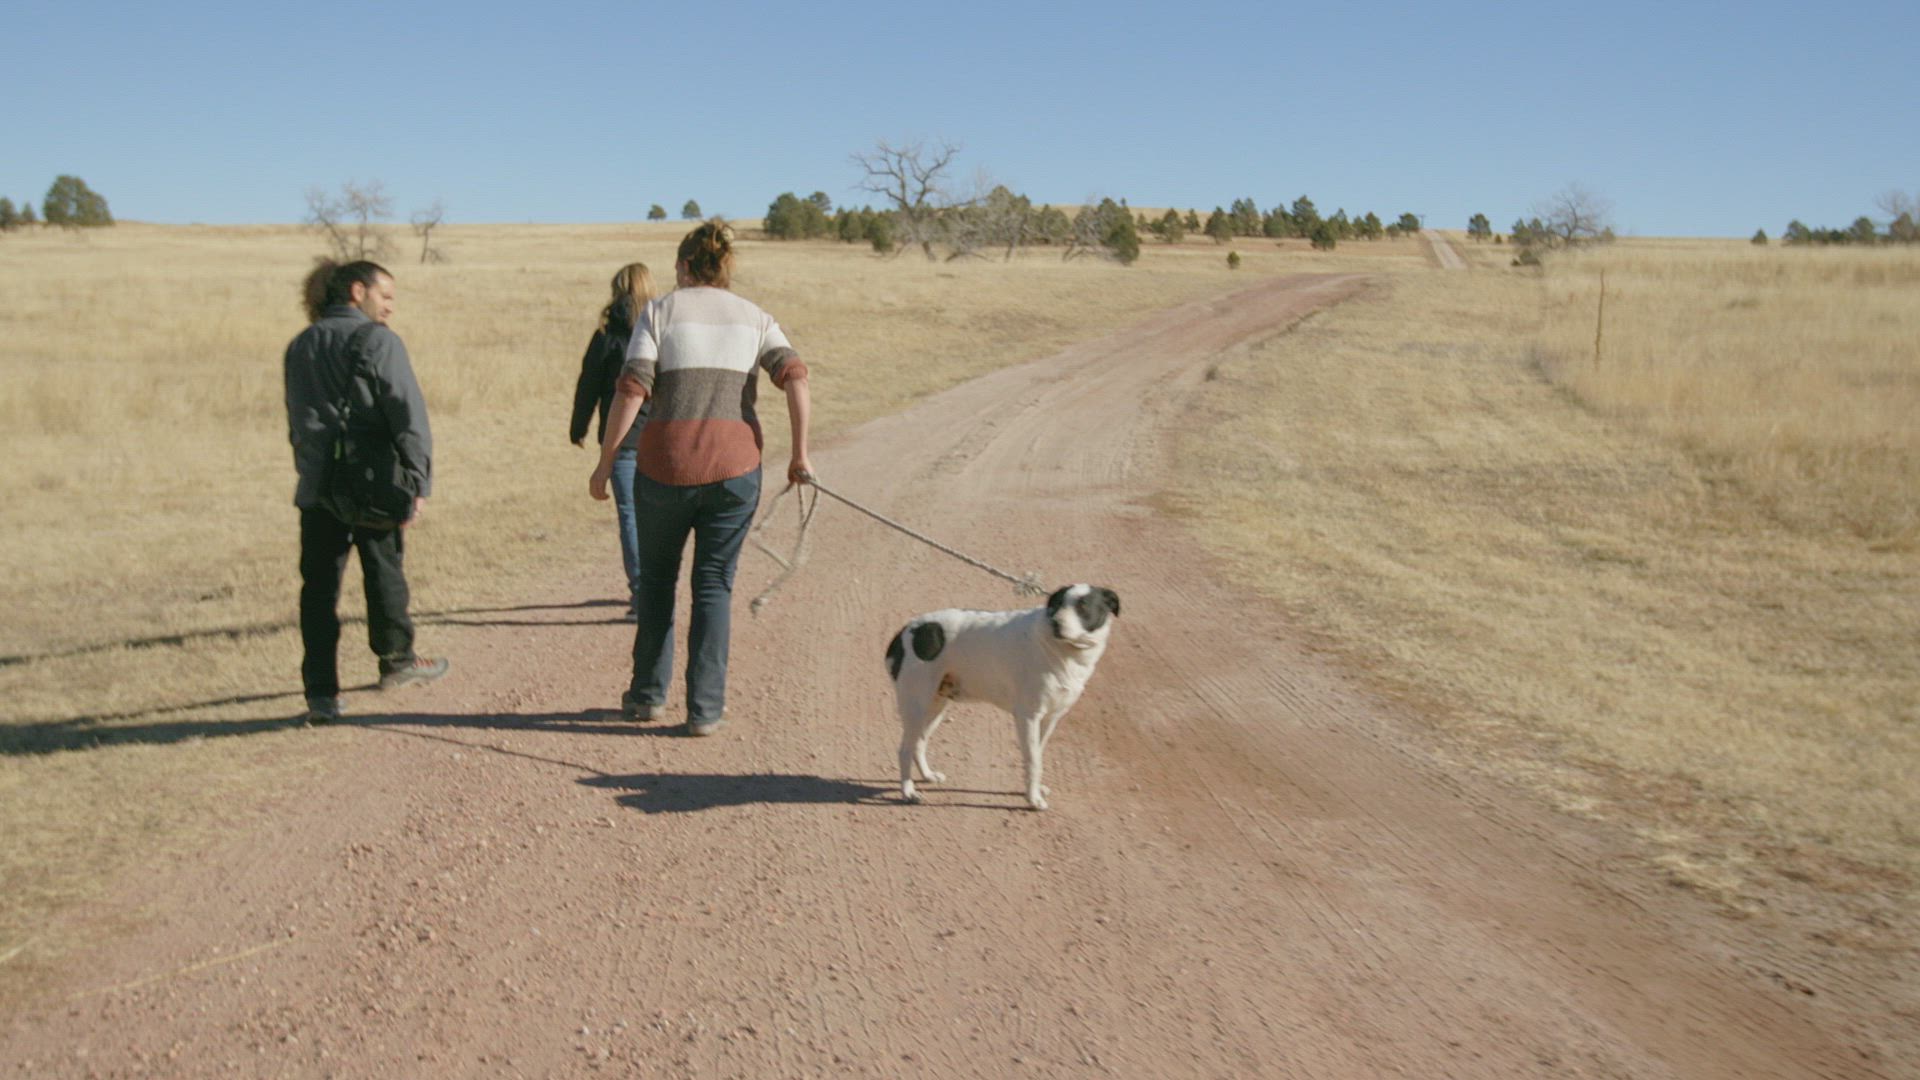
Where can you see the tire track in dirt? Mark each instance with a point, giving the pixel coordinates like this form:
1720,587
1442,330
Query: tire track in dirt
1252,865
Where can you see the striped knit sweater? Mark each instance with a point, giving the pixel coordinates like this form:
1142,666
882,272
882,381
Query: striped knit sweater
697,354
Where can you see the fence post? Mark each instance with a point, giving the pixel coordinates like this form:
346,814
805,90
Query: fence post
1599,318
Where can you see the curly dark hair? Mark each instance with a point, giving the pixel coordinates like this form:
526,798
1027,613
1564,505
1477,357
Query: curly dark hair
330,283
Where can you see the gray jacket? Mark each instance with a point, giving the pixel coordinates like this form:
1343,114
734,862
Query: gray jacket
317,370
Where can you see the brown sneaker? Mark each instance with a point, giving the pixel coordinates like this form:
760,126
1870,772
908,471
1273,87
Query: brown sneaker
635,711
417,670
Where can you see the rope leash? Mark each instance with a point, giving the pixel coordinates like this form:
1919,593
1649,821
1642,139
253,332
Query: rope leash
1028,585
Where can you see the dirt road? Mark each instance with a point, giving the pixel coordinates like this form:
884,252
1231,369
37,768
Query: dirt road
1251,867
1443,251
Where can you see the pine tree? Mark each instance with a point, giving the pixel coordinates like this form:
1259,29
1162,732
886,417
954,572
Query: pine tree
1220,226
1171,228
1305,216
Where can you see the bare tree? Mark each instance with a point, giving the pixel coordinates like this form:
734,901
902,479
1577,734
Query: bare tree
1903,216
1573,216
1895,203
348,218
424,222
914,178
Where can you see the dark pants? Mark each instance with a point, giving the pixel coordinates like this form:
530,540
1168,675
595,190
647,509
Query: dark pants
719,516
324,543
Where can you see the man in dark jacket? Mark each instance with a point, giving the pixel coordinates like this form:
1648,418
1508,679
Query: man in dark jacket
341,300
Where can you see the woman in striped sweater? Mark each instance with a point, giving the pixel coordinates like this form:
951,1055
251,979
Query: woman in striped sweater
695,357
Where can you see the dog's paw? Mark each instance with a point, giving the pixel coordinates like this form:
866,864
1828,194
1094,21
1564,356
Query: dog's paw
936,777
1037,799
907,794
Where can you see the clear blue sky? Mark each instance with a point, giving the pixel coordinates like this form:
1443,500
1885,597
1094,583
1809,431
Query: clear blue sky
1708,119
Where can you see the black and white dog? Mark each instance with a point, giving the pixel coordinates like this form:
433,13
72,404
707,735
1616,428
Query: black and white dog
1032,663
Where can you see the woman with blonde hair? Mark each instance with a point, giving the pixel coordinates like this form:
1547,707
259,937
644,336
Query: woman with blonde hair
633,289
695,359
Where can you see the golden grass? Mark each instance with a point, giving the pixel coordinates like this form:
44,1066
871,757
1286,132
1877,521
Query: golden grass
149,482
1793,371
1593,607
1597,586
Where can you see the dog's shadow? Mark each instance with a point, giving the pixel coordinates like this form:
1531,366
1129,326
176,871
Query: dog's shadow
680,793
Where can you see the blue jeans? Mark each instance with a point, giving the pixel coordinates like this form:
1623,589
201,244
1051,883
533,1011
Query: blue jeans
623,473
719,516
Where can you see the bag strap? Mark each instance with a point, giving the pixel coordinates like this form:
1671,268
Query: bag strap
356,360
357,346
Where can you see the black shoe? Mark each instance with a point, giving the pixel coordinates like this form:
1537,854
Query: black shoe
417,670
322,710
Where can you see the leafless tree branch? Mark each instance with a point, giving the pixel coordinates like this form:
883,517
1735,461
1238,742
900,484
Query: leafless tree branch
913,177
424,222
349,219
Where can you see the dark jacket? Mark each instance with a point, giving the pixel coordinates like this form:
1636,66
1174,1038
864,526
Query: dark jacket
599,370
317,369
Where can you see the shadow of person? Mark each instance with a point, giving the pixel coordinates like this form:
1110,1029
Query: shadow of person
680,793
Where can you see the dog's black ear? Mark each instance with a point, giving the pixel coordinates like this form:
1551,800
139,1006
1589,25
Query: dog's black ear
1058,598
1113,600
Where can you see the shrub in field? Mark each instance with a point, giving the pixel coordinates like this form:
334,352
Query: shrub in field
1759,238
1323,237
1233,260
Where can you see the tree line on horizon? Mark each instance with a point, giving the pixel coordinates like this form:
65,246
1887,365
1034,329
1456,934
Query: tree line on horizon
68,204
1903,226
921,208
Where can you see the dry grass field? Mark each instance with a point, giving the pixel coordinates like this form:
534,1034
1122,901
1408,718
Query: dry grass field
146,531
1677,590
